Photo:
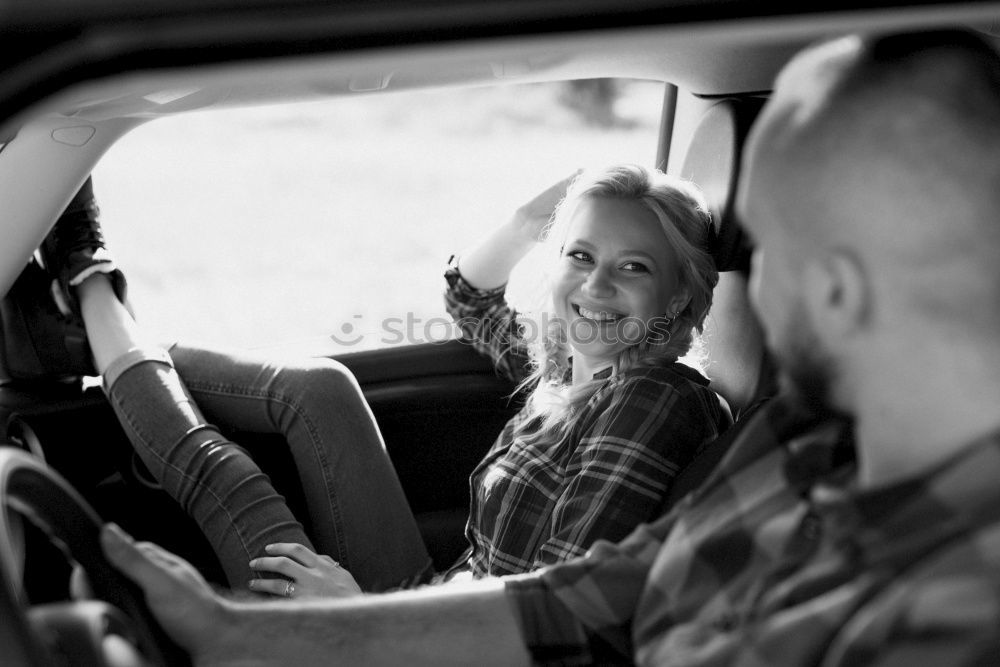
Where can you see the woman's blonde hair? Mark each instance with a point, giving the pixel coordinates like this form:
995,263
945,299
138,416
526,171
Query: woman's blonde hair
687,223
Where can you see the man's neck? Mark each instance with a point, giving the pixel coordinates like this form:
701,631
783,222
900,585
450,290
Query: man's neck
917,401
895,443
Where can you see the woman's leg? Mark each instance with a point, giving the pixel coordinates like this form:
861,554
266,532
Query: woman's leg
357,509
214,480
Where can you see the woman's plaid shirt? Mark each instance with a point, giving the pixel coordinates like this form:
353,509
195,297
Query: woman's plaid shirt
542,503
778,561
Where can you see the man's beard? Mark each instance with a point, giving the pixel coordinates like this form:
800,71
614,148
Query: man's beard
807,371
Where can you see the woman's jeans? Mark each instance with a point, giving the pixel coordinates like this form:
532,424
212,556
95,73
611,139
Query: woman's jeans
356,505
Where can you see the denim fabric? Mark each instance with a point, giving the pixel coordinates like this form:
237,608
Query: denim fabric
359,514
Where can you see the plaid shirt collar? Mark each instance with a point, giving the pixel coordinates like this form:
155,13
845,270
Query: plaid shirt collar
679,368
815,447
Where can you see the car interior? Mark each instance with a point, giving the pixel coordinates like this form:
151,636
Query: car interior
77,77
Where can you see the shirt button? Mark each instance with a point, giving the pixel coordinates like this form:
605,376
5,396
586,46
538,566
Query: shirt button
811,527
725,622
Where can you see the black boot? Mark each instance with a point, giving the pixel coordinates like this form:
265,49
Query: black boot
75,250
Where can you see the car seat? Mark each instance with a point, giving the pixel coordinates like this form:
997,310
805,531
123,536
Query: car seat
737,363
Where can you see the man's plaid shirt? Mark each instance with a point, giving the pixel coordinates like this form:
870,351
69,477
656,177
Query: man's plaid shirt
538,504
778,561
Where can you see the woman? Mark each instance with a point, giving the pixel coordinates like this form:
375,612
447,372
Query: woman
610,407
611,416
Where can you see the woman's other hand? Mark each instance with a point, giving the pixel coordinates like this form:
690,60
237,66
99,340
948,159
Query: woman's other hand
308,575
533,217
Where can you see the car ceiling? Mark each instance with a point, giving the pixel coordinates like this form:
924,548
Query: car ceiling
303,49
75,75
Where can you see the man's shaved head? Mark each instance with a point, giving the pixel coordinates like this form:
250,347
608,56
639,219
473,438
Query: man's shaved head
889,148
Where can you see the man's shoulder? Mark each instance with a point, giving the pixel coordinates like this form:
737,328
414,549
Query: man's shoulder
972,555
946,605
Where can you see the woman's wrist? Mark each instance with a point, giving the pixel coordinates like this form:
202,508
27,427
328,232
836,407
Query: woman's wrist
488,265
526,227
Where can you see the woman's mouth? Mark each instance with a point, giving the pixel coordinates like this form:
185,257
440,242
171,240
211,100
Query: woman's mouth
600,316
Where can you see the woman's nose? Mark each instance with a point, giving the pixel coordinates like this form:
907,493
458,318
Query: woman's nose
599,283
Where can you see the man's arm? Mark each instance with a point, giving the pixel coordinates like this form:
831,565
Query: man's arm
440,625
466,624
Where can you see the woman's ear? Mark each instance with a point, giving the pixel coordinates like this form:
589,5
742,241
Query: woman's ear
678,302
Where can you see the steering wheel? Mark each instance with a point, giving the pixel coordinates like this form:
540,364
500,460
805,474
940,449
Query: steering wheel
119,630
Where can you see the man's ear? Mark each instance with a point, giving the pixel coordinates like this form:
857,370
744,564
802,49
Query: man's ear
837,293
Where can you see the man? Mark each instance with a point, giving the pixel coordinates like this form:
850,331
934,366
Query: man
872,192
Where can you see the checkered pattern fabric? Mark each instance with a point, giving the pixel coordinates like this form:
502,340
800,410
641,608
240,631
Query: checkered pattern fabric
489,324
779,561
537,504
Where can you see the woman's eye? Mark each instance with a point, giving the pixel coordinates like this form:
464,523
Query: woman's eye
579,255
635,267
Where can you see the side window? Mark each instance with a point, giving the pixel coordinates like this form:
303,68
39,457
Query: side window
324,227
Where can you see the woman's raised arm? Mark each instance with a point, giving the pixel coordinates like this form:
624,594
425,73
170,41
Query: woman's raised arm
488,263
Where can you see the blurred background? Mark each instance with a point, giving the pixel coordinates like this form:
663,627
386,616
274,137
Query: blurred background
324,227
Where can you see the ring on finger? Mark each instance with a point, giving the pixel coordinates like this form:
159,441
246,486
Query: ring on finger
289,589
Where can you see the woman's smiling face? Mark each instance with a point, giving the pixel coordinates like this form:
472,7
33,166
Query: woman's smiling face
615,278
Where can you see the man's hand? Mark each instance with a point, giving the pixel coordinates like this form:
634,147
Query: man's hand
182,601
312,575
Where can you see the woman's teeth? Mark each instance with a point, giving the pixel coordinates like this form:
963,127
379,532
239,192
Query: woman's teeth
598,316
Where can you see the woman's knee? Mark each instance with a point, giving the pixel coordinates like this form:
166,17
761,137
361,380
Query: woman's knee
318,379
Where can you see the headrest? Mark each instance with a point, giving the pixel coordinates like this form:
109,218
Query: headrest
713,162
733,338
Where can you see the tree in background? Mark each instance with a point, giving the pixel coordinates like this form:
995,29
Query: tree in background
593,100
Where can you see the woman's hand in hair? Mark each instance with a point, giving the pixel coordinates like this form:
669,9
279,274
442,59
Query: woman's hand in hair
487,264
533,216
307,574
